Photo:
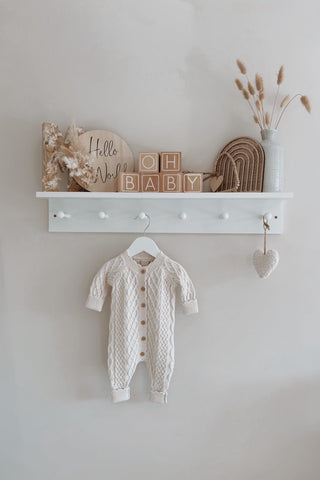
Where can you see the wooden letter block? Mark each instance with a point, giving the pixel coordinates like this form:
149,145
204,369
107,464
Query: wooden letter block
170,162
150,182
148,162
129,182
171,182
193,182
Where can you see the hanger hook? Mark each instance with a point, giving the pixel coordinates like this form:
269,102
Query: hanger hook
149,221
142,216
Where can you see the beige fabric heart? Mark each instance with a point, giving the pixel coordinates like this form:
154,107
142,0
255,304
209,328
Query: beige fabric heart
216,182
265,264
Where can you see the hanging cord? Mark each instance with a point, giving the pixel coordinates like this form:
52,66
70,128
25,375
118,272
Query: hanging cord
266,228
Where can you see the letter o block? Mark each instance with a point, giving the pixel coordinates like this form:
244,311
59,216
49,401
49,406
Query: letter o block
171,182
170,162
193,182
148,162
129,182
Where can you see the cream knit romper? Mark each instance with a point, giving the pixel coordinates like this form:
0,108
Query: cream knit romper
141,327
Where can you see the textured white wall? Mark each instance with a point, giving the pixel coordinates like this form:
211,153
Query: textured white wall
244,401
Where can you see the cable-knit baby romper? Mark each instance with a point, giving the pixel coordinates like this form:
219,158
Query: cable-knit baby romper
142,317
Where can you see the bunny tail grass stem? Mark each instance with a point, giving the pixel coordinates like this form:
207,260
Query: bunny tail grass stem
255,114
274,104
285,108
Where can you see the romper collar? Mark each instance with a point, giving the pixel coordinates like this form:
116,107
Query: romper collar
133,265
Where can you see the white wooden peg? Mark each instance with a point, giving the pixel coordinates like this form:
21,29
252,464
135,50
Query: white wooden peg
103,215
224,216
61,214
142,215
183,216
267,217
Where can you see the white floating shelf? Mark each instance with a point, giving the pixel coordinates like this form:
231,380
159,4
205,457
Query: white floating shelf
169,212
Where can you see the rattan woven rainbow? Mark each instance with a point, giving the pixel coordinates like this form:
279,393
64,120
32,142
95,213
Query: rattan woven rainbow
248,156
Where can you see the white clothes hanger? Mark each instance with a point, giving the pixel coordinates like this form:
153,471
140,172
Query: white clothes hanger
144,244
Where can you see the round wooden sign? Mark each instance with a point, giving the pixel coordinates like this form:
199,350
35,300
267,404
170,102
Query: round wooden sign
110,155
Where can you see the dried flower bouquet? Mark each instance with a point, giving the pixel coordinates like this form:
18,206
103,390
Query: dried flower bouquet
255,96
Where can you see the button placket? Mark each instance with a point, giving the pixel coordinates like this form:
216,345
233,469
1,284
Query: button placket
143,311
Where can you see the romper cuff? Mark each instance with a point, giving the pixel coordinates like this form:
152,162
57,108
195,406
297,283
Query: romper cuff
121,395
158,397
190,307
94,303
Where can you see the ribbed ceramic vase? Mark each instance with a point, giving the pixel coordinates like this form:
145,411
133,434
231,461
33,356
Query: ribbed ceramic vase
273,180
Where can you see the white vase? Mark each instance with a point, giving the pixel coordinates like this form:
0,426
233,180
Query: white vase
273,180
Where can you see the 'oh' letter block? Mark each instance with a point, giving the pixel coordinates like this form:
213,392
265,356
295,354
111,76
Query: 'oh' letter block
150,183
148,162
171,182
129,182
170,162
193,182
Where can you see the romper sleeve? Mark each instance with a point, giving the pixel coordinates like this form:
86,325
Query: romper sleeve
187,292
98,289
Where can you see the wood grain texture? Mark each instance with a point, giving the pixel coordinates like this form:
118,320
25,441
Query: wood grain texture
110,156
193,182
148,162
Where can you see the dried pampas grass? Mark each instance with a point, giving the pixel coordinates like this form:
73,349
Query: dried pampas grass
64,154
285,101
251,89
306,103
256,101
242,67
239,84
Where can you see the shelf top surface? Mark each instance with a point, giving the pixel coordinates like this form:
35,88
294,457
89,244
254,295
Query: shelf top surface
186,195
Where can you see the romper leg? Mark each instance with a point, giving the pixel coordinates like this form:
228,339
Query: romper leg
160,364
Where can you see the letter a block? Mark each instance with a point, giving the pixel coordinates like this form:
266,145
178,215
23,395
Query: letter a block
193,182
129,182
170,162
148,162
171,182
150,183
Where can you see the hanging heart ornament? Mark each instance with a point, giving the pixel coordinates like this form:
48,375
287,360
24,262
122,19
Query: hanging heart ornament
265,263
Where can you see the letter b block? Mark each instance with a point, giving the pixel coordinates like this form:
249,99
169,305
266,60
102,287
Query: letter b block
128,182
171,182
170,162
148,162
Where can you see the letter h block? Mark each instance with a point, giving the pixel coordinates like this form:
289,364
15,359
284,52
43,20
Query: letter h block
129,182
170,162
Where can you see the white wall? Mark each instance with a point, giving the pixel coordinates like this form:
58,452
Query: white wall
244,401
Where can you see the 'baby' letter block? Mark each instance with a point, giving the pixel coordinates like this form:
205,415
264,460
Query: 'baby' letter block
171,182
170,162
148,162
129,182
150,183
193,182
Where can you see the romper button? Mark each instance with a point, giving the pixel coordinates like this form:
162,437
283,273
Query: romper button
143,271
143,322
142,354
143,289
143,305
143,338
